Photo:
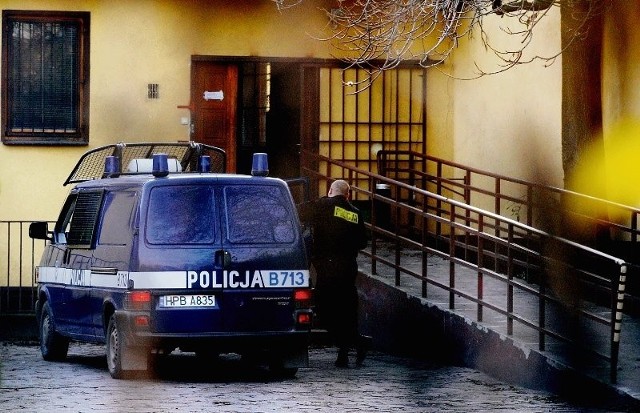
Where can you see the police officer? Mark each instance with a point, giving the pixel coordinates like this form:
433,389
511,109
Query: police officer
338,235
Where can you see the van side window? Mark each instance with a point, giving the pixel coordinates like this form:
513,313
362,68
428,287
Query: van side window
116,218
83,222
181,215
258,215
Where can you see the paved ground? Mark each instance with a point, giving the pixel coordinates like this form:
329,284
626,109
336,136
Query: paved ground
627,384
385,384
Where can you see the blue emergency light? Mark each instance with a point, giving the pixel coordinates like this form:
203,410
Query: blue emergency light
204,164
111,166
160,165
260,166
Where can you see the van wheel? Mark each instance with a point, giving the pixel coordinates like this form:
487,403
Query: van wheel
277,369
283,372
53,346
114,349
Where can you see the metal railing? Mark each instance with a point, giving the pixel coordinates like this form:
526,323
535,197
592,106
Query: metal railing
524,201
553,288
20,256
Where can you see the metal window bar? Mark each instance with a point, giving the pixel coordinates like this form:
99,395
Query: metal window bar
383,116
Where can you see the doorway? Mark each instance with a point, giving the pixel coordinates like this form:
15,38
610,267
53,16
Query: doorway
249,106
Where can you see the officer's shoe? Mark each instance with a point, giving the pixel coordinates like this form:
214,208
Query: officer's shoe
343,359
364,344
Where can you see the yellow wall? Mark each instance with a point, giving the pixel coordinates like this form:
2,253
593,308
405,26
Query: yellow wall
510,122
136,42
621,103
507,123
620,69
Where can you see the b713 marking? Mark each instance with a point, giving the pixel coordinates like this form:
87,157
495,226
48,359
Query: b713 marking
248,279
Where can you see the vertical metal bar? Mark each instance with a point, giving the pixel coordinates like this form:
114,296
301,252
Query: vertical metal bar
343,123
424,240
374,238
410,109
498,223
616,324
480,286
510,280
396,205
541,310
8,298
370,128
529,205
33,273
438,202
357,121
634,227
383,107
20,268
467,187
497,204
452,253
396,110
467,212
424,113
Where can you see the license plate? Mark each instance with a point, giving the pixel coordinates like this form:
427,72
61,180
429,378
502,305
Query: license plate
181,301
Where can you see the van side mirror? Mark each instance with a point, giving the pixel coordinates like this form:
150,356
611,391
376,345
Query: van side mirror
39,230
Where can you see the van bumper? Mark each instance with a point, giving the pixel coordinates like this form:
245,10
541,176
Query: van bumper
291,344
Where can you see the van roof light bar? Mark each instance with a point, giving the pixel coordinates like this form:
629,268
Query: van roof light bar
93,163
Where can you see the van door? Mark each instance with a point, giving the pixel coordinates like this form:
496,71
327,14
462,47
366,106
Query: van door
112,254
180,251
261,235
75,234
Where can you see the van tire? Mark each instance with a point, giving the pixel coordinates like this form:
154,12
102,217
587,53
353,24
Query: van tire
114,347
277,368
53,346
283,372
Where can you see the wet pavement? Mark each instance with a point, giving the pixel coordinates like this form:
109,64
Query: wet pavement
185,384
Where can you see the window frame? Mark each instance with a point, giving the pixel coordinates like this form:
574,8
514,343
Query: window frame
81,134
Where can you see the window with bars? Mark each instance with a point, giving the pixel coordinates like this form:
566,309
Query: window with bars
45,67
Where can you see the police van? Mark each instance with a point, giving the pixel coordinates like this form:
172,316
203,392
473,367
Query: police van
156,248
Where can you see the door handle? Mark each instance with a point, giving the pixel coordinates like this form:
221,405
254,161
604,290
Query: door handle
104,270
222,258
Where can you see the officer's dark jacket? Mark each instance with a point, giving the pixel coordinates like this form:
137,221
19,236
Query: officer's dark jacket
338,227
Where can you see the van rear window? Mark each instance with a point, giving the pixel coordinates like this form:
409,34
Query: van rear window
181,215
258,214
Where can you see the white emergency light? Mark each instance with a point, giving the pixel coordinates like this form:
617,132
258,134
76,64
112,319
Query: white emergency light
145,165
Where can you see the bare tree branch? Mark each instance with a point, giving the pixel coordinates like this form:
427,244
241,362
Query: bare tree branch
380,34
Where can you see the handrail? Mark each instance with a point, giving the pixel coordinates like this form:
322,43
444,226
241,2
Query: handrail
17,275
398,164
490,249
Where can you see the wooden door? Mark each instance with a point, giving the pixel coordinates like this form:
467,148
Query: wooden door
214,96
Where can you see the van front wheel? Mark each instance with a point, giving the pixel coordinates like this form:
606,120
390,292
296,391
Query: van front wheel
53,346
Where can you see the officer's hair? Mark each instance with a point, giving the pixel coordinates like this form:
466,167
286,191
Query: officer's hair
339,187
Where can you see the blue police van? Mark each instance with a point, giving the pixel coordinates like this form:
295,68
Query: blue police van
156,248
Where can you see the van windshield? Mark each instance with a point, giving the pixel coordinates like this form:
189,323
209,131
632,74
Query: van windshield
181,215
